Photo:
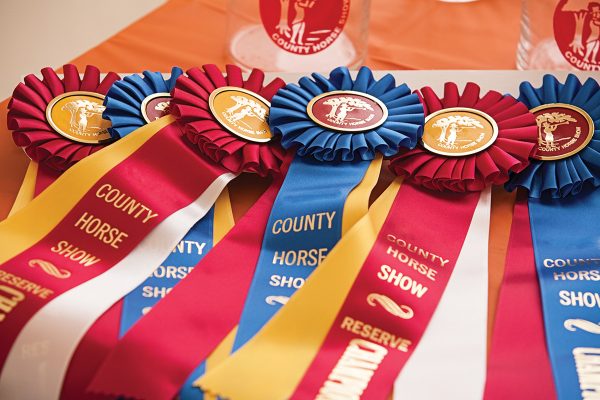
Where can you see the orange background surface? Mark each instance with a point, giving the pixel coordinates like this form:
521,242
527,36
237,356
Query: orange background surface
404,34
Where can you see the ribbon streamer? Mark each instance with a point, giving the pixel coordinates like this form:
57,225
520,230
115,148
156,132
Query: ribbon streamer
317,360
190,196
562,200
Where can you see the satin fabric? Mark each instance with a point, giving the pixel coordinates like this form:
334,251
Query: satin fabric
167,135
166,328
310,188
460,315
518,363
563,191
340,267
124,100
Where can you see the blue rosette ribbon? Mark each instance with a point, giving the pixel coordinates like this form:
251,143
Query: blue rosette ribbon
579,172
124,100
563,208
402,128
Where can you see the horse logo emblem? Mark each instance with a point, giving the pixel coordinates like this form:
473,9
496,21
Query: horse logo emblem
347,111
155,106
563,130
304,26
241,112
78,116
577,32
459,132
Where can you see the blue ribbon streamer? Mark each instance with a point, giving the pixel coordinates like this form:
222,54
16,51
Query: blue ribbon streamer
194,246
564,209
311,189
306,218
304,225
402,128
124,99
566,242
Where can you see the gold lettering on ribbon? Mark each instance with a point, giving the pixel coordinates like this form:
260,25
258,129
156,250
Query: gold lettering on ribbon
583,324
389,305
273,300
50,269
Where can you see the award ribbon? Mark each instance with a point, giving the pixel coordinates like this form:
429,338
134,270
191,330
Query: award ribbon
377,290
52,150
131,103
110,212
563,203
136,101
338,125
207,305
332,174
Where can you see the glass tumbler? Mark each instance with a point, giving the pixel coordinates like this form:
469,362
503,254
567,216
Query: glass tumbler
560,35
297,35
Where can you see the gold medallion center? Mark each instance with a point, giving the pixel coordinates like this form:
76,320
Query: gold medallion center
563,130
78,117
241,112
459,131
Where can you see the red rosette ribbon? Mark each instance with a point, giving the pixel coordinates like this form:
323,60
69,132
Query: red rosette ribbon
509,153
190,104
27,114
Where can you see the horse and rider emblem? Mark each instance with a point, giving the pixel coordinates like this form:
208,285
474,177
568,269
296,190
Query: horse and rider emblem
459,132
347,111
78,116
304,26
155,106
241,112
577,32
563,130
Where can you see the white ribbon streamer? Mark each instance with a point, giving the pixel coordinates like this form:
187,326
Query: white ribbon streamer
58,327
452,351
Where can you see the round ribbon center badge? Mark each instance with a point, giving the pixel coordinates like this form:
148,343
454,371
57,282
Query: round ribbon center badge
563,130
347,111
577,32
78,117
304,26
241,112
459,132
155,106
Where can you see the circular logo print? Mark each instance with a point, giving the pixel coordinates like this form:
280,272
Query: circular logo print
459,132
577,32
155,106
241,112
304,26
347,111
78,116
563,130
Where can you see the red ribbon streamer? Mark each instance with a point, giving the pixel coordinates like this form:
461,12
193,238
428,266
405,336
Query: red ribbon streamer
518,362
186,326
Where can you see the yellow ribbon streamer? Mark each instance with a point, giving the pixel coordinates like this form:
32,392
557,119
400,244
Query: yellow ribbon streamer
355,207
34,221
27,189
314,306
